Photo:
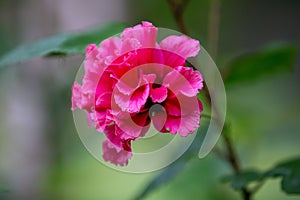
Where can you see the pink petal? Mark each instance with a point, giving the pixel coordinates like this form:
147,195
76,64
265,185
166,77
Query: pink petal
184,80
189,105
193,76
177,83
183,114
172,59
76,96
183,125
191,109
115,155
189,124
91,51
149,78
102,119
181,45
158,95
133,125
129,82
159,120
157,71
111,48
104,84
113,134
134,102
138,98
104,101
145,34
172,106
80,98
130,44
172,124
90,116
93,61
103,104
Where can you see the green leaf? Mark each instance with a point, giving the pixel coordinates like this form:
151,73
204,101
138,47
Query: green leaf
3,193
175,168
289,171
63,44
242,179
164,177
253,66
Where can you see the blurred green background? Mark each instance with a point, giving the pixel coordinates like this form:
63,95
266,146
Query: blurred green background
41,154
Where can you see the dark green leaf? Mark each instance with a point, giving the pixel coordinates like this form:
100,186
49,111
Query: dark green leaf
71,43
256,65
242,179
3,193
163,178
290,173
175,168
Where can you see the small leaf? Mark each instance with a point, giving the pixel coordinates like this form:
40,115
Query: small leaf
253,66
3,193
63,44
242,179
290,173
175,168
164,177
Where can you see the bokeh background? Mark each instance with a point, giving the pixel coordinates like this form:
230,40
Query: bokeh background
41,155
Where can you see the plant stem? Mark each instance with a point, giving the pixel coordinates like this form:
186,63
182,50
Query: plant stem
213,37
178,10
232,159
213,27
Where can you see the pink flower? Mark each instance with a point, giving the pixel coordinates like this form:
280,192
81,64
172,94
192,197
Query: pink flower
132,80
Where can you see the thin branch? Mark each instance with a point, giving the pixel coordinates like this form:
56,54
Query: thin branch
213,38
178,10
214,18
232,159
213,27
231,154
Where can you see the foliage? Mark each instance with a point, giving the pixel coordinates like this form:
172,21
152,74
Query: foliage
62,44
288,171
3,193
242,179
163,178
252,66
245,68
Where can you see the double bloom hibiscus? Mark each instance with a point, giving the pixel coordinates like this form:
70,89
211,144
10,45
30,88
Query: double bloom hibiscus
131,81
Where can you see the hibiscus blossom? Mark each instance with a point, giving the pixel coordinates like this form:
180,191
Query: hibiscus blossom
131,81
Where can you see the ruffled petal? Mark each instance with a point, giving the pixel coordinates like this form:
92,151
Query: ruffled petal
172,124
159,94
76,96
110,48
184,80
159,119
177,83
183,114
189,124
104,101
181,45
129,82
81,98
115,155
133,125
194,77
172,106
113,134
144,34
134,102
93,61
